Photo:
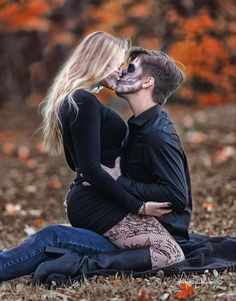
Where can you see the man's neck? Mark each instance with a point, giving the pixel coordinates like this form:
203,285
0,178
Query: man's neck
138,105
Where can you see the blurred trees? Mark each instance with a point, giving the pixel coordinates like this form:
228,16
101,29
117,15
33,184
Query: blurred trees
36,37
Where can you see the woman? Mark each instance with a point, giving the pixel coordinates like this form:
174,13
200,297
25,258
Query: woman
91,134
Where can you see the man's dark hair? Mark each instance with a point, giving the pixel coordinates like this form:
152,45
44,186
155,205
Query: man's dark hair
168,77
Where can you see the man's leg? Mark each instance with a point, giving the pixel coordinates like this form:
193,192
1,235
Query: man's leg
24,258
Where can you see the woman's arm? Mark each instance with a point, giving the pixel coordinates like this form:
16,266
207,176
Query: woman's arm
85,130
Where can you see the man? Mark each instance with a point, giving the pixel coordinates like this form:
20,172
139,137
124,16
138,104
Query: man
154,165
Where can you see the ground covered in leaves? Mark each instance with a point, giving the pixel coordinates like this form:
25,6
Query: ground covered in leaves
33,186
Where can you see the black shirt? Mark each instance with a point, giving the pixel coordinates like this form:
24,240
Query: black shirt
155,168
93,136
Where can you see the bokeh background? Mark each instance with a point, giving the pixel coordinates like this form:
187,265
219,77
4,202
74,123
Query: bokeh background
36,37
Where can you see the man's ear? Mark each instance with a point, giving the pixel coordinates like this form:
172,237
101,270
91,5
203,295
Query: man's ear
149,81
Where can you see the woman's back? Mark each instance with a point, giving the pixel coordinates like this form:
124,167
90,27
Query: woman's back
93,135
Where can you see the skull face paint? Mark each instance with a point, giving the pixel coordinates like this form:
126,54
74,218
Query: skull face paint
132,79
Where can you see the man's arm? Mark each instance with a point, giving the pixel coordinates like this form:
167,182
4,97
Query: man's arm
164,160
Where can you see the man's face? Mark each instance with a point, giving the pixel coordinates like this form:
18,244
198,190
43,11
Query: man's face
132,79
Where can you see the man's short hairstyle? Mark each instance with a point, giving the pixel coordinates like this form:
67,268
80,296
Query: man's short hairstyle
168,77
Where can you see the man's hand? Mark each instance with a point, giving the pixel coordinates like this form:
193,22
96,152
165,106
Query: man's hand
115,171
157,209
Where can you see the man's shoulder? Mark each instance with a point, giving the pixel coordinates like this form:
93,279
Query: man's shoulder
162,131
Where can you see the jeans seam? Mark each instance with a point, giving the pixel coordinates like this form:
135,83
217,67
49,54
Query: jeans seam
21,259
80,245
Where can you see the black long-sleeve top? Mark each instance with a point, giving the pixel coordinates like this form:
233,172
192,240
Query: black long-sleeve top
93,136
155,168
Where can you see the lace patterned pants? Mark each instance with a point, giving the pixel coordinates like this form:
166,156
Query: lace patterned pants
136,231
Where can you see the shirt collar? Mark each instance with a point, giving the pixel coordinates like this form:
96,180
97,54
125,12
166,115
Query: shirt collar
147,115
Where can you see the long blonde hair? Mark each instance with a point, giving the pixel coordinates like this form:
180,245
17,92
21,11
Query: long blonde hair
88,65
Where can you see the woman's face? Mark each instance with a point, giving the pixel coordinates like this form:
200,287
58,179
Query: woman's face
116,67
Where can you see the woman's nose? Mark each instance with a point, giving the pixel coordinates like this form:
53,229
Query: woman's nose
120,72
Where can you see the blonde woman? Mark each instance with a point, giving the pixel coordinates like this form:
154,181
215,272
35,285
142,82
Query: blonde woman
91,134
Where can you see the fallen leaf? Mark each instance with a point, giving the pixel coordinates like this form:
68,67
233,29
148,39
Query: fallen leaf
187,121
8,148
208,206
195,139
54,184
39,223
41,148
115,282
224,154
31,163
35,212
143,295
31,189
29,230
215,273
23,152
14,210
186,290
165,296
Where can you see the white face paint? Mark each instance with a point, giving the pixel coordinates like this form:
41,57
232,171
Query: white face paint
112,79
131,80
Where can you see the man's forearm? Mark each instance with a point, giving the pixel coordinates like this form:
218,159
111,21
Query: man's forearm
159,192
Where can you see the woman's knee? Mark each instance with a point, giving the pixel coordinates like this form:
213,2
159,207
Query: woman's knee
50,231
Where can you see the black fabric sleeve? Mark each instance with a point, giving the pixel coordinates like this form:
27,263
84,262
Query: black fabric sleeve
164,161
85,129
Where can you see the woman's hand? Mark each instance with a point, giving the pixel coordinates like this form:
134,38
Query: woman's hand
155,209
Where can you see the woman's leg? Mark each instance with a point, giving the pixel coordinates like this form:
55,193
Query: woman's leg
24,258
136,231
144,244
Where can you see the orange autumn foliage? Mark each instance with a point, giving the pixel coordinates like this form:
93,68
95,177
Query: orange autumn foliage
26,15
207,58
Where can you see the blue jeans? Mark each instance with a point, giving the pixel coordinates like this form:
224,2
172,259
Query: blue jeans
25,258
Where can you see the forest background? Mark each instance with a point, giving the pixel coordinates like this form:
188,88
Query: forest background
36,37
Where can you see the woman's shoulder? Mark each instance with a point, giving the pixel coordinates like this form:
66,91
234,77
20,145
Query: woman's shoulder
82,96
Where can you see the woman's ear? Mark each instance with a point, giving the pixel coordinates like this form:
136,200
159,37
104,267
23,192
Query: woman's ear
149,81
